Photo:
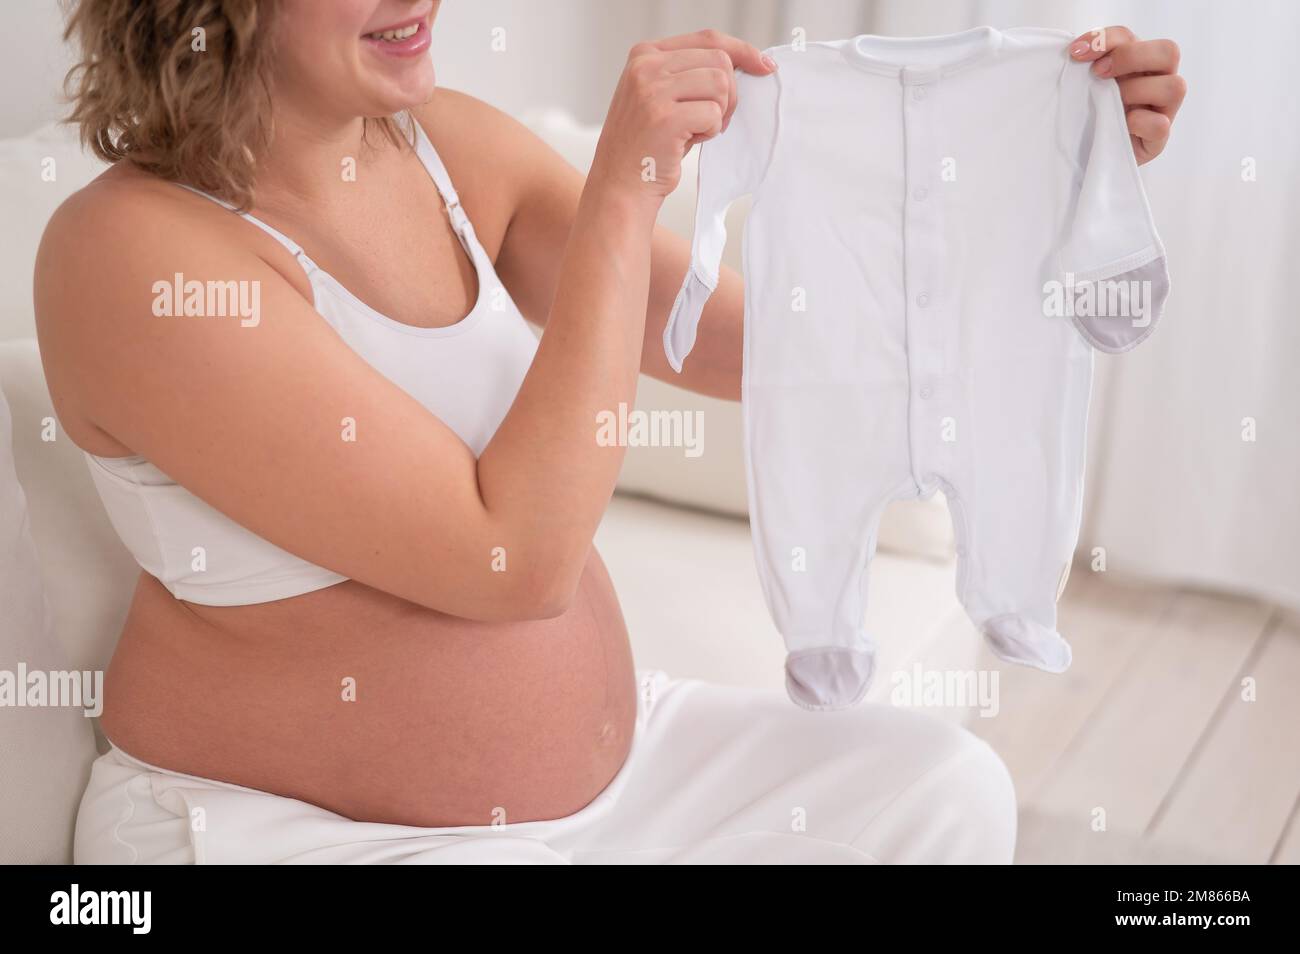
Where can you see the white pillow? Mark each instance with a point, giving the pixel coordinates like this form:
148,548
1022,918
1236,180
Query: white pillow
37,172
715,480
87,572
45,752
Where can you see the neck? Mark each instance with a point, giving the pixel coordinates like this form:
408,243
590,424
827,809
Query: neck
305,161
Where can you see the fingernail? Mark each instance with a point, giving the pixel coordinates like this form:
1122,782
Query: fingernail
1079,48
1102,66
769,62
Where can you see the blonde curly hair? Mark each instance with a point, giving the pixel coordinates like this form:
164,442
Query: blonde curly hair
141,91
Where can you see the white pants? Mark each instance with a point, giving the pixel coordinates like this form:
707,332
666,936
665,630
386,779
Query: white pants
715,775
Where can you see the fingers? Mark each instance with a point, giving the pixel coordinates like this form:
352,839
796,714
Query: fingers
703,62
1140,56
1093,45
703,119
711,49
1149,83
701,84
675,61
716,86
1151,132
1149,126
743,56
1115,51
1162,94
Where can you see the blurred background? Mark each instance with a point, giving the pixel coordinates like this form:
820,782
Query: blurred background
1173,736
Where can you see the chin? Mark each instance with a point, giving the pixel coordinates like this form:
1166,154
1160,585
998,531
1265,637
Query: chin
391,94
391,103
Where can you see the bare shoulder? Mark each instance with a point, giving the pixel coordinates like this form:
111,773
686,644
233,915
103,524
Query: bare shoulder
116,205
100,257
99,231
125,220
491,156
466,131
93,244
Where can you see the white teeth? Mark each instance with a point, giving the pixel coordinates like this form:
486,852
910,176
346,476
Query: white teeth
393,36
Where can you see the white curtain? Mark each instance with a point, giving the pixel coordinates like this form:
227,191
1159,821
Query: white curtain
1195,437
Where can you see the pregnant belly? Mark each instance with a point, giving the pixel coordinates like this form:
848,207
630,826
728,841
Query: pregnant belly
376,708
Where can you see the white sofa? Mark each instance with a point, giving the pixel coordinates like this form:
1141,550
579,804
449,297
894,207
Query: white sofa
675,538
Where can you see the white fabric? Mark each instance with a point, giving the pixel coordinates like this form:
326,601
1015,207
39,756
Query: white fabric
467,374
715,775
913,199
715,480
88,575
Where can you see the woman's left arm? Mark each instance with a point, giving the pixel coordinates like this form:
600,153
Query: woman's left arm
1149,82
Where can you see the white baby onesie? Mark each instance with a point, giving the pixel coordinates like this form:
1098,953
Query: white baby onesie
942,231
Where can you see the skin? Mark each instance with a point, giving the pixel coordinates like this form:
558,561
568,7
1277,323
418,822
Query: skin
1149,82
478,691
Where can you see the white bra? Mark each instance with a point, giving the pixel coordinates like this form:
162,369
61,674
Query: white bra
467,374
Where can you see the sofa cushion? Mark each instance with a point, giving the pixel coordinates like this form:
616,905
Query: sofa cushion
45,751
87,573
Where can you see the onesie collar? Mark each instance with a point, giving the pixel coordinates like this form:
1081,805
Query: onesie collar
921,59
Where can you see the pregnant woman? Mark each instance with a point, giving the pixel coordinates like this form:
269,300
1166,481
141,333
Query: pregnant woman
371,624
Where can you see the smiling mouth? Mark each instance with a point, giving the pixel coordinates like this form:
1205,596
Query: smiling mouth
397,34
403,40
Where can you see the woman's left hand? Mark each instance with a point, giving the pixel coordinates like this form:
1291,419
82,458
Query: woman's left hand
1149,83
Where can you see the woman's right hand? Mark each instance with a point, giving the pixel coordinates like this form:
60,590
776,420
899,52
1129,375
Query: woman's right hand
673,93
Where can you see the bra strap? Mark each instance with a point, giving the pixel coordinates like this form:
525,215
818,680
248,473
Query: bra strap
460,222
294,248
438,172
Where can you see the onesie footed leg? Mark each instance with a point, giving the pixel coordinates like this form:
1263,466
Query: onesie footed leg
828,677
1019,640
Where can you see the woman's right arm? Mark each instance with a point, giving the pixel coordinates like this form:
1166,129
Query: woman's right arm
251,419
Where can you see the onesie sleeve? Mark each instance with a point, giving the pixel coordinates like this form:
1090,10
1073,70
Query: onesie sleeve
1110,240
731,164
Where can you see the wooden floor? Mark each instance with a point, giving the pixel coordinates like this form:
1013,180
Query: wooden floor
1174,736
